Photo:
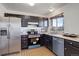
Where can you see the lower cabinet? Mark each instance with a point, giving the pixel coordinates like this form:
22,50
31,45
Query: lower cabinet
46,40
58,46
42,39
24,41
71,48
54,44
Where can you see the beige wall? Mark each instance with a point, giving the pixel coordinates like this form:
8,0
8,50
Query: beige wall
71,15
2,10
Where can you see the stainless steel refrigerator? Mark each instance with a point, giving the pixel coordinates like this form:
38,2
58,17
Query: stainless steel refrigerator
10,40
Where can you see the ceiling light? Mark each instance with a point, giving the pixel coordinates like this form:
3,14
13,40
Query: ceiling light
31,4
51,10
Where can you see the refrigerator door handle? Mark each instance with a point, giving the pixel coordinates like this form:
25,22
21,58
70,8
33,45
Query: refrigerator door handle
8,34
8,37
8,31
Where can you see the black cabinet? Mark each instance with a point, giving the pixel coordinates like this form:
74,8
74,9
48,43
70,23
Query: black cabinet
24,41
26,19
46,40
42,39
60,46
71,48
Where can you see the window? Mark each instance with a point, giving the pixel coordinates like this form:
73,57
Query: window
54,23
45,23
41,23
58,24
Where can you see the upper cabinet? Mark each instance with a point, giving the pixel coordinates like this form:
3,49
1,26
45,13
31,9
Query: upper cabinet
43,22
24,21
29,19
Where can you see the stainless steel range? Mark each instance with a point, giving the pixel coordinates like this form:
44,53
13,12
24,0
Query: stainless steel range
10,40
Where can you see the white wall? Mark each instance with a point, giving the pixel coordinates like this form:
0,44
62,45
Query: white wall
71,18
2,10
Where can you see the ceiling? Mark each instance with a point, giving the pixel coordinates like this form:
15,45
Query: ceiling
38,8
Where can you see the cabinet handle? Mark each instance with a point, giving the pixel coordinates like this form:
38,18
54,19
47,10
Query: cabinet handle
71,43
65,48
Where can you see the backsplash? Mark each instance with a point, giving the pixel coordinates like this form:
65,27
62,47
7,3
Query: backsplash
24,30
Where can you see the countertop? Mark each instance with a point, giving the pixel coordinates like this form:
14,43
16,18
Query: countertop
64,37
32,36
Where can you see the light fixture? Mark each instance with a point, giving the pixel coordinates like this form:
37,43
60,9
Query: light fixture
51,9
31,4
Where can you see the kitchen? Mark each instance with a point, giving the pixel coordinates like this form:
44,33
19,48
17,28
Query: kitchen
40,29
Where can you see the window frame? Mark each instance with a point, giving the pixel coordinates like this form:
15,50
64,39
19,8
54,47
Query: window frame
57,23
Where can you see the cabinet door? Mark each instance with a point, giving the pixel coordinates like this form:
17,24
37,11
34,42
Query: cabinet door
50,42
71,48
67,50
42,39
46,41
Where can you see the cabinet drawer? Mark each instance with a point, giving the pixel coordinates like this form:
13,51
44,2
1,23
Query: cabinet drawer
24,39
24,42
73,43
24,47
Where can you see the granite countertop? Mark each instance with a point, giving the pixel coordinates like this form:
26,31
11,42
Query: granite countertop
64,37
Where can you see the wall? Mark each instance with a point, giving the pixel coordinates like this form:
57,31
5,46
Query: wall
71,18
2,10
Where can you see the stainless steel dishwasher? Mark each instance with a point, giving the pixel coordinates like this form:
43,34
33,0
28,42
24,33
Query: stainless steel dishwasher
58,46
